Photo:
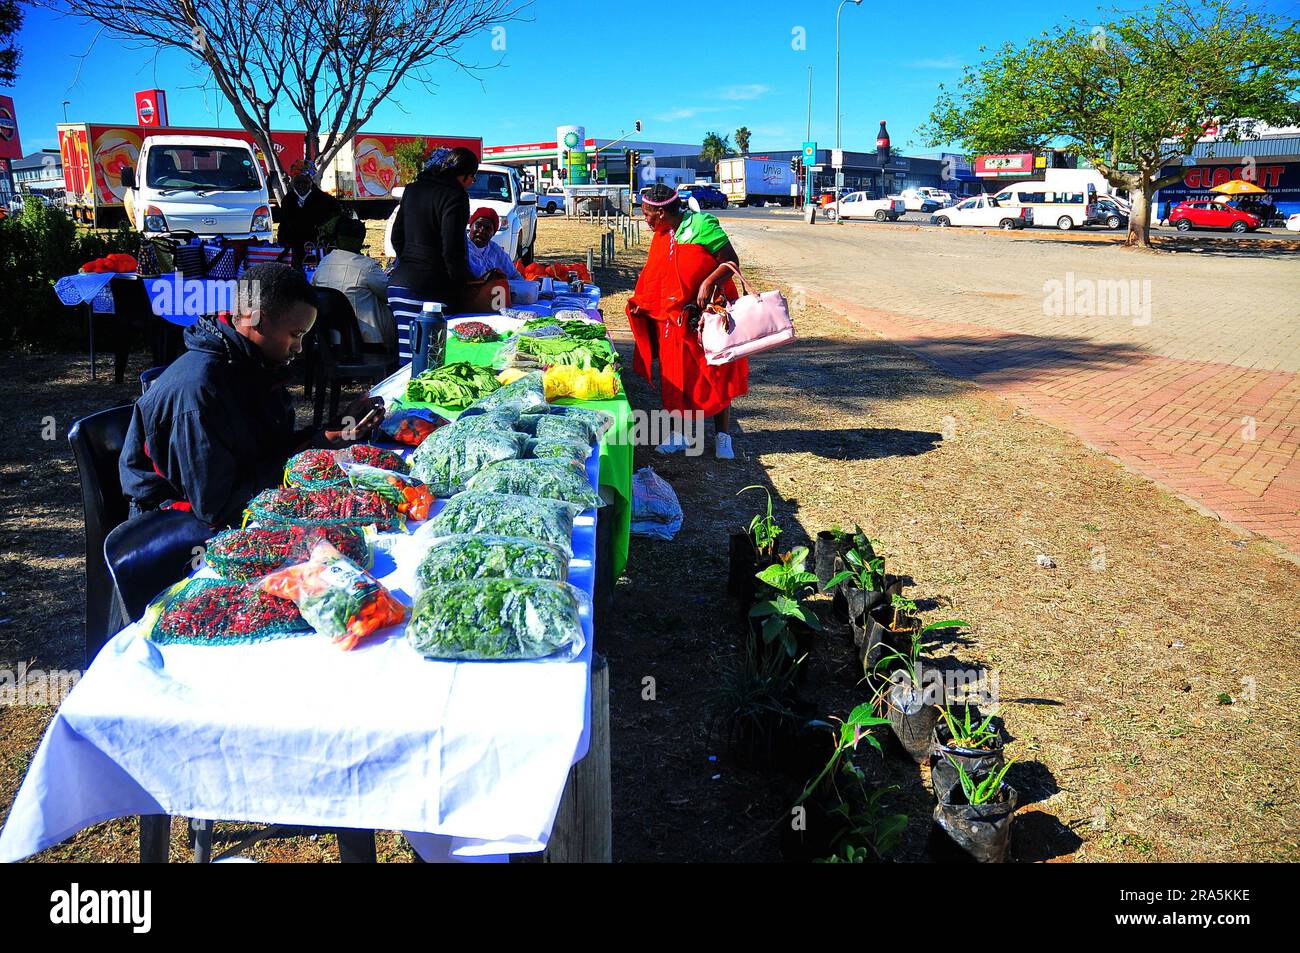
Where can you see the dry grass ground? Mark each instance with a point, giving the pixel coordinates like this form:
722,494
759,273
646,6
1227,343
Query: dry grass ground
1149,681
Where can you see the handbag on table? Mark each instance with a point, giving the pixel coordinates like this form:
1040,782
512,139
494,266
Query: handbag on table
751,324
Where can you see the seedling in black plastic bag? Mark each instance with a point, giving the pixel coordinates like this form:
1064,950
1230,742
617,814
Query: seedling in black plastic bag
791,582
966,734
763,530
984,790
867,572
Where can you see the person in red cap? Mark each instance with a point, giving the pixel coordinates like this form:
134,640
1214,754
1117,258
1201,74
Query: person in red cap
487,259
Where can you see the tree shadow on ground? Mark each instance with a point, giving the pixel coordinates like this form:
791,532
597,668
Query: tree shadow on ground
867,443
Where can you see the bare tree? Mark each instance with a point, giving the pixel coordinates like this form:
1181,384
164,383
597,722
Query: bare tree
331,62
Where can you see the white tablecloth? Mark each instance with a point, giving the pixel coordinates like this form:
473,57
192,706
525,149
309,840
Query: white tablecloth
472,755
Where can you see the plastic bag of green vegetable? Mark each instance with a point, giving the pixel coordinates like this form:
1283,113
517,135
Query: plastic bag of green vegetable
552,479
452,385
529,351
597,421
498,619
448,458
466,556
525,395
564,427
577,451
505,514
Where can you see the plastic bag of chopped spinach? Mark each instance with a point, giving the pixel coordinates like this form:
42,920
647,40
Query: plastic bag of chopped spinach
597,420
498,619
465,556
576,450
450,456
525,395
505,514
564,427
554,479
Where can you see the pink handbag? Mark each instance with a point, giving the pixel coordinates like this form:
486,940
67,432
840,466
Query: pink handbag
753,323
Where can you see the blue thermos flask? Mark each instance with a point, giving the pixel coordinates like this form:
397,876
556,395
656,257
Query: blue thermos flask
428,339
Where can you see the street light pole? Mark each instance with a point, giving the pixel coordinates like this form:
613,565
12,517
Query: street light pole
838,11
66,103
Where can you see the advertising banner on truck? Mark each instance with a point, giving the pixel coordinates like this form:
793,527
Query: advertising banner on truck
374,165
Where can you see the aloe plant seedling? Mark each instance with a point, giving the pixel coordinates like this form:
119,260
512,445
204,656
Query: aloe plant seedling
763,530
984,790
964,733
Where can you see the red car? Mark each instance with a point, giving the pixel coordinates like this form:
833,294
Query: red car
1206,214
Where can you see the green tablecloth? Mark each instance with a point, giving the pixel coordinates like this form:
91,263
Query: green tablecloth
615,446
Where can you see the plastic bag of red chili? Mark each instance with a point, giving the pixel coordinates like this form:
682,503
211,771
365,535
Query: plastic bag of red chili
218,612
366,455
245,554
319,469
334,506
475,332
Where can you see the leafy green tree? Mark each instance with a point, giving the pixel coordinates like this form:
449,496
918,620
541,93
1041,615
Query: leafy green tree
715,148
1130,96
742,140
11,21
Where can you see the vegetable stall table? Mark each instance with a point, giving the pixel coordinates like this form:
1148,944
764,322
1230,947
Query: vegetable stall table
615,445
469,759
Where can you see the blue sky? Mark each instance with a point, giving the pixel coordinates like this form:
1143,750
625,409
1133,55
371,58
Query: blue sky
681,74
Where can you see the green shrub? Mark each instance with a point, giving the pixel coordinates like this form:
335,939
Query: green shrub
37,247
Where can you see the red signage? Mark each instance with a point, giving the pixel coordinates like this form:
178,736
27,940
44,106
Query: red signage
151,108
10,146
1207,177
1017,164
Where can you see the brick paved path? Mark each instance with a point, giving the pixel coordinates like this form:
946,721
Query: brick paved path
1205,399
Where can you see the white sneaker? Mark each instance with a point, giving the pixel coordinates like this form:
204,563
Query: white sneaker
722,447
675,444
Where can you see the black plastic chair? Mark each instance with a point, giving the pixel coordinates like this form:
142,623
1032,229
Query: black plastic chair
97,445
148,377
147,554
340,353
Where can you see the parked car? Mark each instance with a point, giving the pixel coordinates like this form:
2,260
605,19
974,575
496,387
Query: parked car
1203,213
707,196
551,201
919,200
984,210
1107,213
1066,209
864,205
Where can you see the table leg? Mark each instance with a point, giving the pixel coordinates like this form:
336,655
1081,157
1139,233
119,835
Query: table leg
583,831
155,838
90,325
201,835
356,847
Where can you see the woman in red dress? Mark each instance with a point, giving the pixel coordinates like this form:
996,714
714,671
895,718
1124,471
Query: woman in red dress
687,264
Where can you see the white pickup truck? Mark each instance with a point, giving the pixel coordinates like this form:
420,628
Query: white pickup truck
496,187
984,210
202,184
862,205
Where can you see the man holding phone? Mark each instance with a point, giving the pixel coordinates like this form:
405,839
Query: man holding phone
217,426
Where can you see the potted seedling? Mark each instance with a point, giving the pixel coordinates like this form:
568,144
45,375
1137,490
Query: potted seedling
751,705
903,695
976,813
832,820
890,626
787,619
862,585
752,550
967,740
829,546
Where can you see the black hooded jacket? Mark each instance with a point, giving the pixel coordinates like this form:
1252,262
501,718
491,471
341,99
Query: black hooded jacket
214,429
429,238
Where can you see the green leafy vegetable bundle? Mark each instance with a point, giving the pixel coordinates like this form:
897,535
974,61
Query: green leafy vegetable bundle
578,330
565,427
576,451
450,456
504,514
552,479
460,557
497,619
590,355
452,385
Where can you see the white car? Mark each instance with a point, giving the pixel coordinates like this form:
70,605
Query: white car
983,210
496,187
862,205
1293,223
919,200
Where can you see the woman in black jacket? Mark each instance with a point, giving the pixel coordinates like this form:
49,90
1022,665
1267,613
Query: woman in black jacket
429,231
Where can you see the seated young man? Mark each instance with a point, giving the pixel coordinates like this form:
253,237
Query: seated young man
216,427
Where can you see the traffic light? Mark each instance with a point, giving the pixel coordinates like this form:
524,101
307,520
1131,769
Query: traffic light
638,125
633,158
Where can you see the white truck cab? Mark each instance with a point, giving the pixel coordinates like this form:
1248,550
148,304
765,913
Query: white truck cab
202,184
496,187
